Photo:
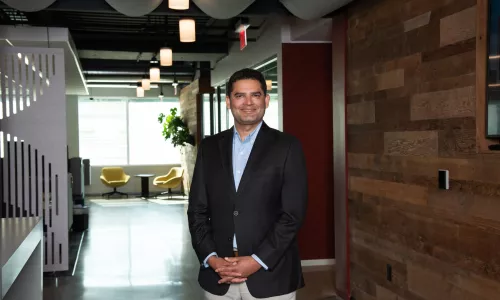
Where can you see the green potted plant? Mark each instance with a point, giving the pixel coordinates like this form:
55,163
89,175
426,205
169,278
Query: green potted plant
175,129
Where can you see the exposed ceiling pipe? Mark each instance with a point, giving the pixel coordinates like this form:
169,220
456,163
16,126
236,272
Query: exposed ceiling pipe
108,72
313,9
223,9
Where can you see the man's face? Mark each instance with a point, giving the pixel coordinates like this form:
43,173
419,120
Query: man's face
247,102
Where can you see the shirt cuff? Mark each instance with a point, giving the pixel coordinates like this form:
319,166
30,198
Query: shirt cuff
206,259
260,261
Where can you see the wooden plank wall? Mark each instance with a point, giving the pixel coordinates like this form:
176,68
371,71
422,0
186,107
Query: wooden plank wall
411,111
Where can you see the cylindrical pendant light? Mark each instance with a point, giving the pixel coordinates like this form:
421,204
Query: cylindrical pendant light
187,30
154,70
269,85
139,91
154,74
146,84
178,4
166,57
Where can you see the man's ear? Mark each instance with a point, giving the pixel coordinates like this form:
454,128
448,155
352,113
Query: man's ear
268,98
228,102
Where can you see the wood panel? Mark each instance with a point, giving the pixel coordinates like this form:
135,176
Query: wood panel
411,143
416,105
454,103
481,60
458,27
417,22
361,113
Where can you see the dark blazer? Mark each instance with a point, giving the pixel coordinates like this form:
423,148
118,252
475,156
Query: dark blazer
265,213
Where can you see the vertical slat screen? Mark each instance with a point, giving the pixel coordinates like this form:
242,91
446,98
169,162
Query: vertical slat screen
33,160
26,179
19,178
5,180
3,71
12,181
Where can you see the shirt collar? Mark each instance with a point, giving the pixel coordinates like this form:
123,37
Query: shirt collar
252,134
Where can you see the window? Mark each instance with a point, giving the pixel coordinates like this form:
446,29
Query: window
103,131
146,144
125,131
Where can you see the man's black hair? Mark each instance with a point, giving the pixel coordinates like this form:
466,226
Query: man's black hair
246,74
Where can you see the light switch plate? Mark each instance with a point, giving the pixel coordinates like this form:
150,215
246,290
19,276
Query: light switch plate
443,179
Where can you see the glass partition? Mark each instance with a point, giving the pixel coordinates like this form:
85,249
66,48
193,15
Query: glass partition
270,70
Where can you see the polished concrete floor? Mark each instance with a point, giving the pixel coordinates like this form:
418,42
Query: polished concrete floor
141,250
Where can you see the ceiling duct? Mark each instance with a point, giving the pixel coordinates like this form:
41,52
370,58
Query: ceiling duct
313,9
223,9
29,5
134,8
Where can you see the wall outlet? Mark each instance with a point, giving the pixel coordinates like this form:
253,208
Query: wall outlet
443,179
389,272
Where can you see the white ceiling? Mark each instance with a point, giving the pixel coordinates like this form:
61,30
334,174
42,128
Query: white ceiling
57,38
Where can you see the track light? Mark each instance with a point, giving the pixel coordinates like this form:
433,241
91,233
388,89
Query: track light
161,93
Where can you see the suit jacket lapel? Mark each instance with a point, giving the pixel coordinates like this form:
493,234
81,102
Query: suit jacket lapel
257,154
226,150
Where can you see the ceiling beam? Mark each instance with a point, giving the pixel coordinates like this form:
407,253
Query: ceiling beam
147,43
131,65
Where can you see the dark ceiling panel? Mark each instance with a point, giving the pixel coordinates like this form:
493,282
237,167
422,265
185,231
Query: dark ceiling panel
145,43
259,7
95,25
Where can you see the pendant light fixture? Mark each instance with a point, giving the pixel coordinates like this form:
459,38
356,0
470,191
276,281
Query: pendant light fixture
187,30
154,70
269,85
166,56
146,83
178,4
139,90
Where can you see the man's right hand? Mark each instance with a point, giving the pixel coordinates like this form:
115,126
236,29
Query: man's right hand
217,262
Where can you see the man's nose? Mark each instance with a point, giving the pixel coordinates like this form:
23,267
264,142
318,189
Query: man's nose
248,100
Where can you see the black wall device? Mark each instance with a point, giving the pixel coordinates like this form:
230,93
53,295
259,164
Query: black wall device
444,179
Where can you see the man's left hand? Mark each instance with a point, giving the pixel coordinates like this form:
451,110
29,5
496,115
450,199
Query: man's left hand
245,265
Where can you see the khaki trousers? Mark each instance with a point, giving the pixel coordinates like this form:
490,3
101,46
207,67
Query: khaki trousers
239,291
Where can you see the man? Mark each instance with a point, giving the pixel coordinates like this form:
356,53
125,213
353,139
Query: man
247,202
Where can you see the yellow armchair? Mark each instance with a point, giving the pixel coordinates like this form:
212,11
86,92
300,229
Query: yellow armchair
170,181
114,177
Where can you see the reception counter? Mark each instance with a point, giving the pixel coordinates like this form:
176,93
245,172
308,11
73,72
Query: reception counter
21,258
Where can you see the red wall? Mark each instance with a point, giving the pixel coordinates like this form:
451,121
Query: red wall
307,114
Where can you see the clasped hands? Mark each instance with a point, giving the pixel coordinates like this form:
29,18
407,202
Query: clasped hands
234,269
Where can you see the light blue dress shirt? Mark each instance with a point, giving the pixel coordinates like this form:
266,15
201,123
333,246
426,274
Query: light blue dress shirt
241,153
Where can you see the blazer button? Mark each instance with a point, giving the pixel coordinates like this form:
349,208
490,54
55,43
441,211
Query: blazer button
235,213
230,239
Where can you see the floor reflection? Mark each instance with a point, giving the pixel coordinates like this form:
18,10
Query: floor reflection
142,250
139,251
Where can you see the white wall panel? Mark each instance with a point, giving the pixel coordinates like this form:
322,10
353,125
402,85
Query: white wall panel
34,144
